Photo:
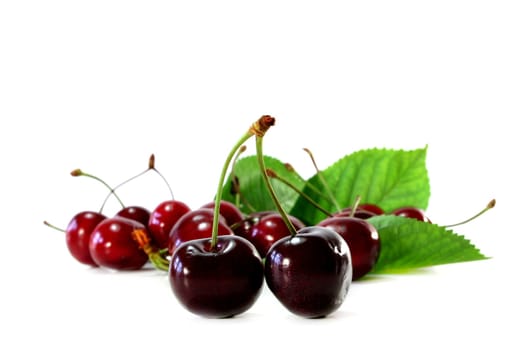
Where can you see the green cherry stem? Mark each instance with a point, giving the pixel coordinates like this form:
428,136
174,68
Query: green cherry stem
260,159
258,128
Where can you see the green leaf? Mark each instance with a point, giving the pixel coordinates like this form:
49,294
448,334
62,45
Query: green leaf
408,244
388,178
255,196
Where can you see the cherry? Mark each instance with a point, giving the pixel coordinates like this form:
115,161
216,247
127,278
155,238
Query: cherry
220,281
78,234
310,273
228,211
362,239
244,227
136,213
358,213
163,218
112,244
220,276
269,229
195,224
412,212
371,208
310,270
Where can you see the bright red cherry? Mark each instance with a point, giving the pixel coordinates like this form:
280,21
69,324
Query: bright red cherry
136,213
78,233
194,225
112,245
163,218
362,239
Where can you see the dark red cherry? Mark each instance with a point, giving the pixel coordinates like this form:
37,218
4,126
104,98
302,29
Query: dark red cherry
358,213
310,273
228,211
78,234
218,282
244,227
163,218
269,229
362,238
194,225
412,212
371,208
136,213
112,244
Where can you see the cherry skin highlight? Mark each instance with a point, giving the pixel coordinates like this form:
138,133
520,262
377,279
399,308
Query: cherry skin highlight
112,245
78,234
217,282
163,218
311,272
362,239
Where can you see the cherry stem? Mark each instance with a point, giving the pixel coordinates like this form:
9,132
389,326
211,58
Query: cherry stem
234,180
78,172
151,166
54,227
258,128
272,174
291,169
323,180
489,206
354,207
284,215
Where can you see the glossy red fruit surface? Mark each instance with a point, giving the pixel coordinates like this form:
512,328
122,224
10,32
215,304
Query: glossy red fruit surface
78,234
112,244
269,229
371,208
412,212
244,227
163,218
362,239
195,224
310,273
358,213
218,282
136,213
228,211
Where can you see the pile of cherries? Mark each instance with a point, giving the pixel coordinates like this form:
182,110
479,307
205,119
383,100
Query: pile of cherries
218,258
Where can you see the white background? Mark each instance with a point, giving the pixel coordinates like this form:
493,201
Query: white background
100,85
